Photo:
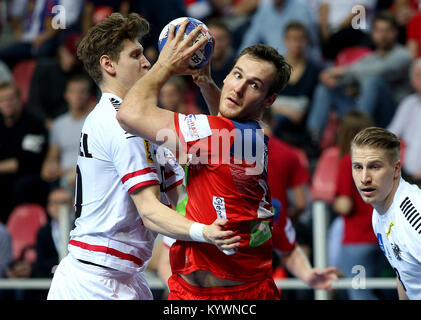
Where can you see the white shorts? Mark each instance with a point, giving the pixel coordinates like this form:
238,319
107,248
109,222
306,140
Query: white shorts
74,280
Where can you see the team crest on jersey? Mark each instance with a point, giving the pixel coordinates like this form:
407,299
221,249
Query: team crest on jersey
396,251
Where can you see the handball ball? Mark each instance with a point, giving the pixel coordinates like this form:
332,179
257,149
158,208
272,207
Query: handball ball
202,55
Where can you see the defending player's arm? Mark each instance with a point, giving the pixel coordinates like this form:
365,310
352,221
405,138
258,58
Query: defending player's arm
401,291
210,91
298,264
158,217
139,112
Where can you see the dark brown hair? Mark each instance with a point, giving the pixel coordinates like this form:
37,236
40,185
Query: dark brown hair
106,37
269,54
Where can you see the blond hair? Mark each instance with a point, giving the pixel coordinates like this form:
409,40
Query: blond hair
378,138
106,38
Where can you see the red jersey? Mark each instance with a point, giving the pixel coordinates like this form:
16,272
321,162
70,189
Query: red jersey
285,170
357,227
227,179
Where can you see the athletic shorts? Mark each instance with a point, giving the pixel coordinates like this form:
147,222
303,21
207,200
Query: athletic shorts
257,290
75,280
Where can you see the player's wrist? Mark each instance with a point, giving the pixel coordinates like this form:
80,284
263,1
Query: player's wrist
196,232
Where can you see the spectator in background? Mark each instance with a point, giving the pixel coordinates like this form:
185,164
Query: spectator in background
291,106
32,23
335,18
50,73
158,13
59,166
269,22
49,237
6,255
413,36
403,11
222,57
173,96
373,84
5,73
236,14
359,244
199,9
96,10
23,144
406,125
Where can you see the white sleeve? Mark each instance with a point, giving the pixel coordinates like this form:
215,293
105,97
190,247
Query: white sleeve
173,173
167,241
134,162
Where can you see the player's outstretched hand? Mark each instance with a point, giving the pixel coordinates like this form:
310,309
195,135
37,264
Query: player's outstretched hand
225,240
321,279
176,53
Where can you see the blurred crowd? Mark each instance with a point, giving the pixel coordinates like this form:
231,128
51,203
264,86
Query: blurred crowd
356,63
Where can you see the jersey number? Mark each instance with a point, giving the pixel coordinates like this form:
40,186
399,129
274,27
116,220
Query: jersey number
83,146
78,200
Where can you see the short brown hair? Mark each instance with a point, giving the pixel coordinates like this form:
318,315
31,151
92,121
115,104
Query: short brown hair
106,37
386,16
379,138
296,25
6,85
269,54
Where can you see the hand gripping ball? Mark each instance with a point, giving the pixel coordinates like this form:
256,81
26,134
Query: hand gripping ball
202,55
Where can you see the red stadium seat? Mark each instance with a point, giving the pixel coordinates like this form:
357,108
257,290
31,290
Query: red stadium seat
348,56
323,185
22,74
23,225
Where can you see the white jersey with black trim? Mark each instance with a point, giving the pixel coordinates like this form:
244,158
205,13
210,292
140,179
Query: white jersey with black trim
399,234
112,164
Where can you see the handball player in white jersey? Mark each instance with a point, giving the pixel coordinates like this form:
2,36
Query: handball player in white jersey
376,169
118,205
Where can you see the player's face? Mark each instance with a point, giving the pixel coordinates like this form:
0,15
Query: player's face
244,94
374,175
132,63
10,104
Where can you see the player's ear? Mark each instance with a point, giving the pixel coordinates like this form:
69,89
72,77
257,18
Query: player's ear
398,168
269,100
107,64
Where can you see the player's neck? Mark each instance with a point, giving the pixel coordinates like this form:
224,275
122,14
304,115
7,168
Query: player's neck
383,207
119,91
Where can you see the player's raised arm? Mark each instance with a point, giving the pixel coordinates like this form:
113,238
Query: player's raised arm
139,113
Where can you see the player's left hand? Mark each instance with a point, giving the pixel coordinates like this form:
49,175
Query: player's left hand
321,279
217,235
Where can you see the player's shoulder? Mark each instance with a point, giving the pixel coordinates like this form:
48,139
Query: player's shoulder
102,118
409,208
